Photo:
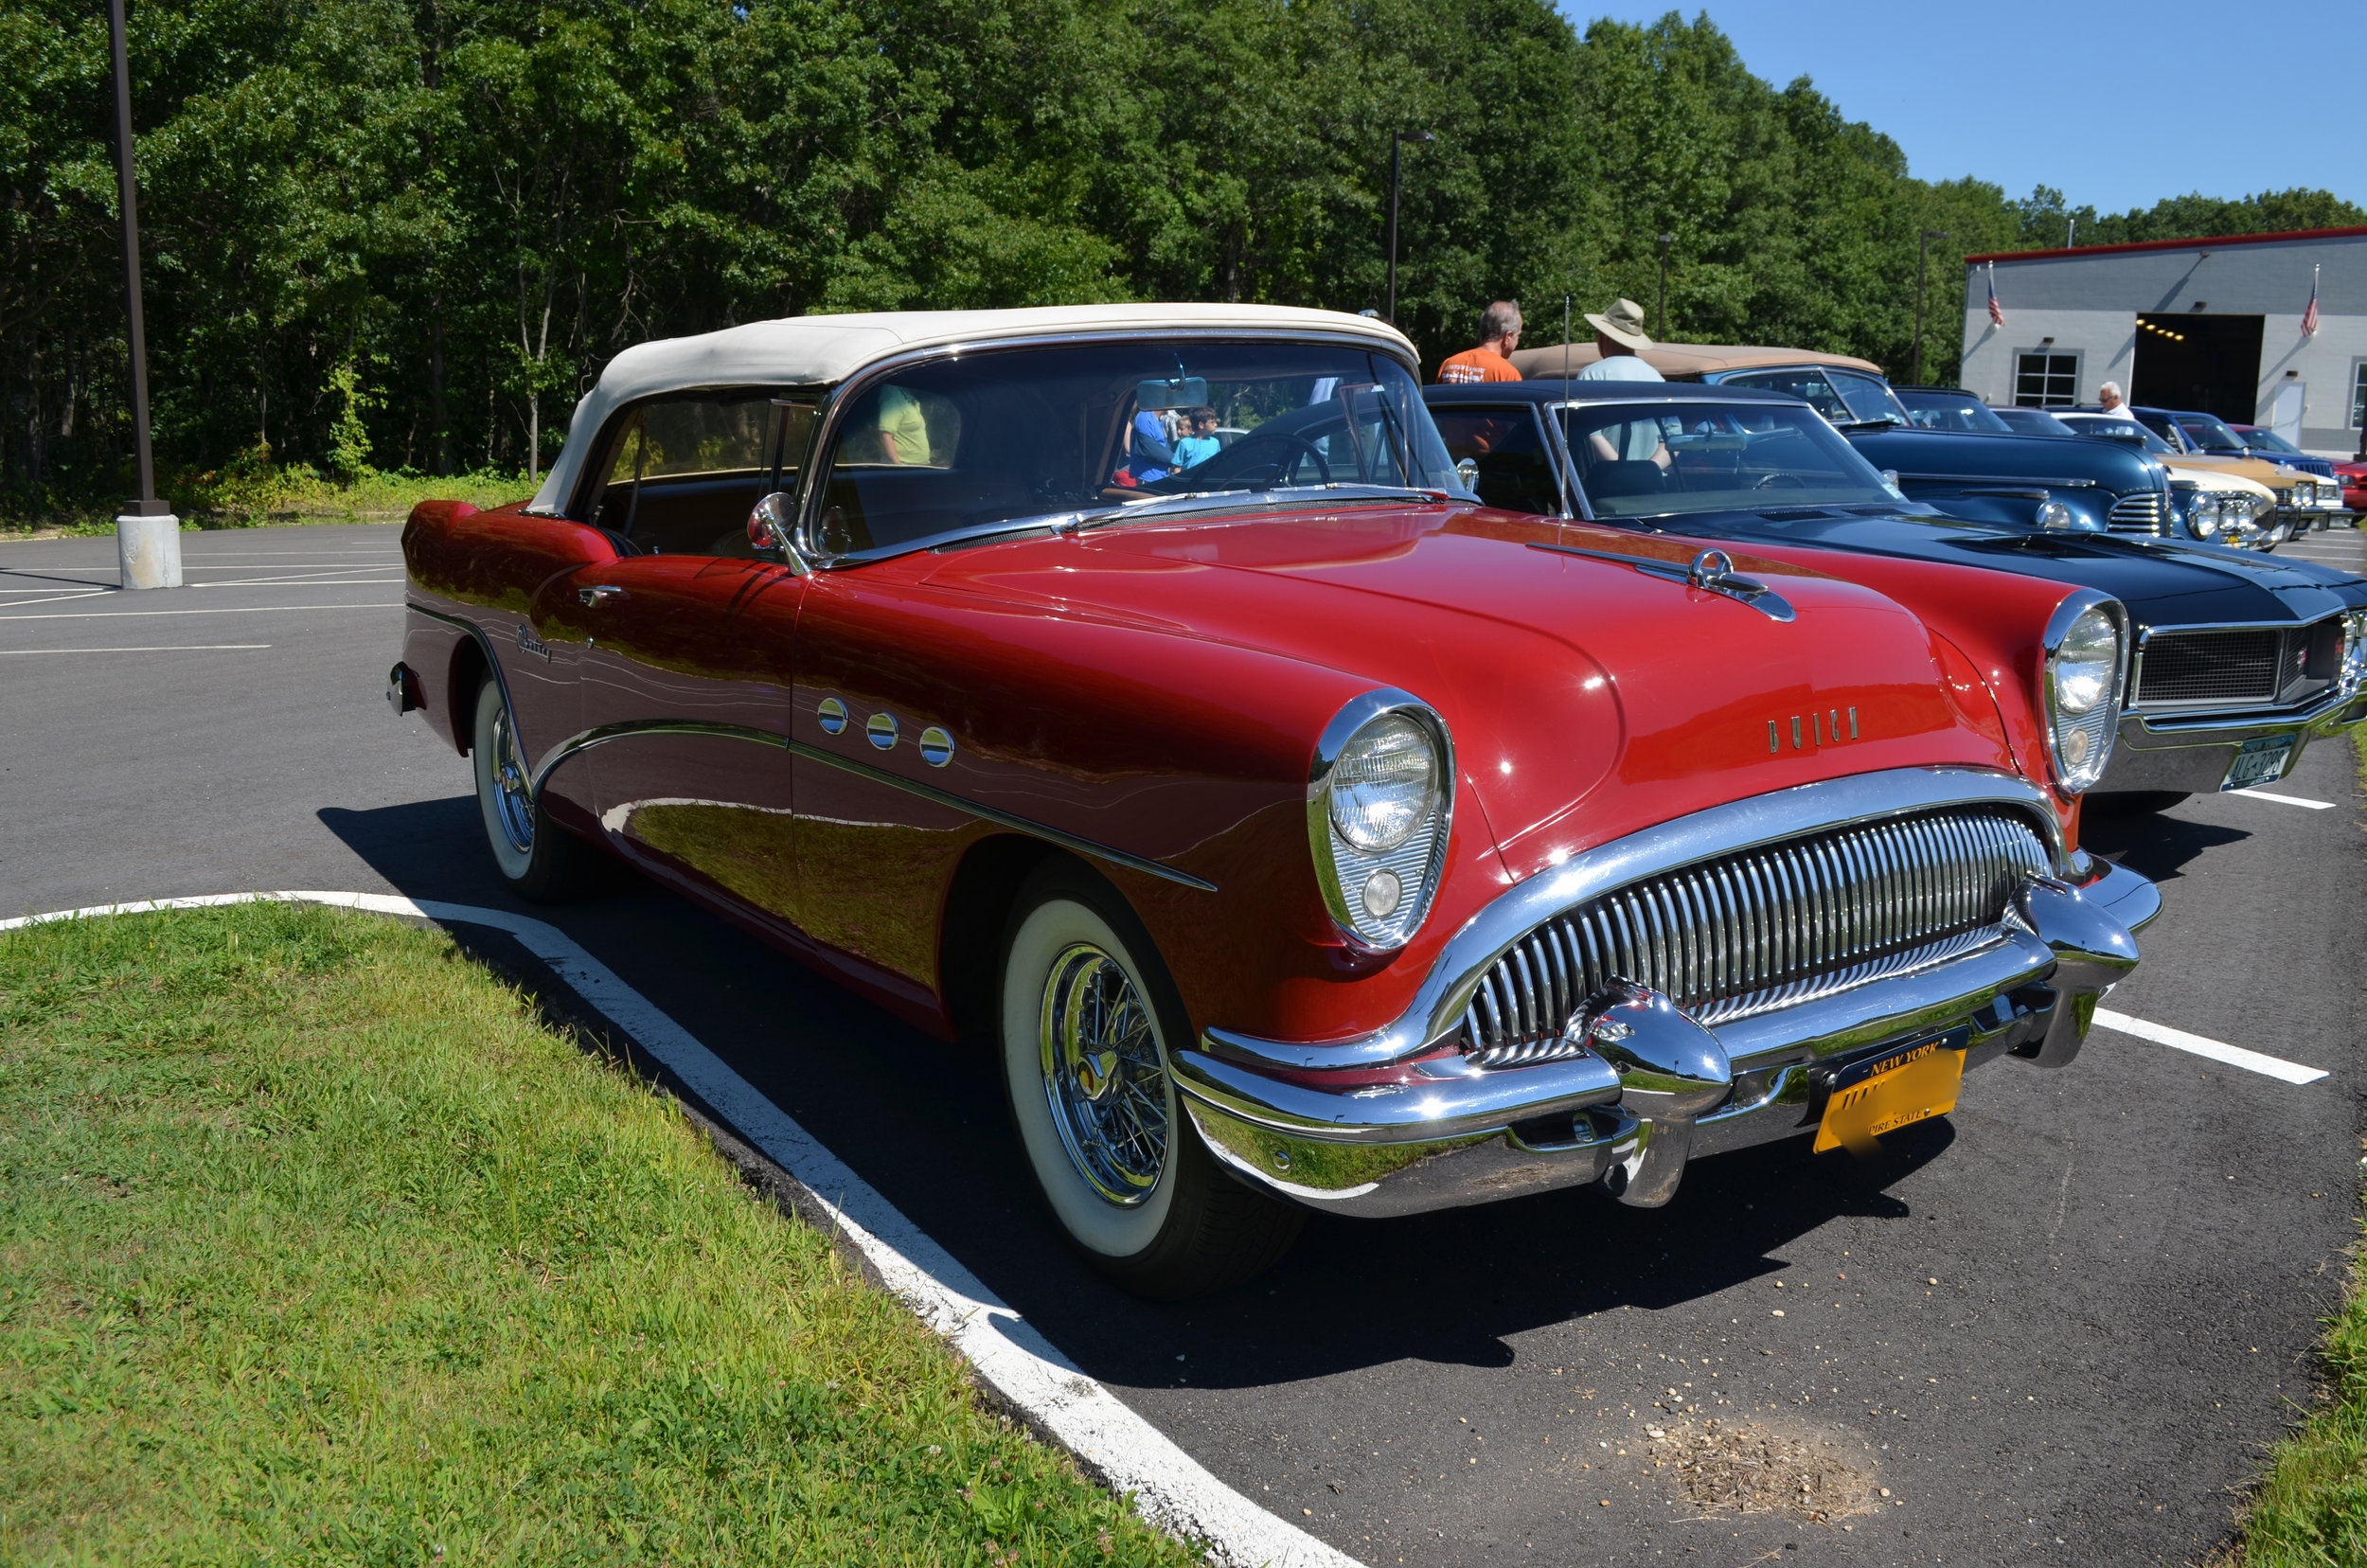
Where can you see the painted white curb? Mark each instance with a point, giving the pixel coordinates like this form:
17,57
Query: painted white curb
1171,1489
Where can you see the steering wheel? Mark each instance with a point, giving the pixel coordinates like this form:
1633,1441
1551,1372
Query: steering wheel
1770,481
1322,467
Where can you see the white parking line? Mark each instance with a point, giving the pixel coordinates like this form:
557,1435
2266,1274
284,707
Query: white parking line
2283,800
179,647
1170,1488
226,610
2202,1046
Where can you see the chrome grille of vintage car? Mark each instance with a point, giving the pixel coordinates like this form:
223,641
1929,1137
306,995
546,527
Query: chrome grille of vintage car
2138,513
2245,666
1764,928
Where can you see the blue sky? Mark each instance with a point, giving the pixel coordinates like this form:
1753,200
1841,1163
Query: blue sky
2115,106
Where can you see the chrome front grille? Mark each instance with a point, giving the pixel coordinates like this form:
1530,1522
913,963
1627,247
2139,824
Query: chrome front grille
1764,928
2138,513
2239,667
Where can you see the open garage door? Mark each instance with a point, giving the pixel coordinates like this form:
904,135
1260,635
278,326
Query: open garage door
2206,362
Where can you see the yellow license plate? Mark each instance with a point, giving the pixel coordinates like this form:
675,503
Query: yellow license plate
1913,1084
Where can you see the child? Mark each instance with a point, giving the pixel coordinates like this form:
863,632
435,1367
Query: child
1201,444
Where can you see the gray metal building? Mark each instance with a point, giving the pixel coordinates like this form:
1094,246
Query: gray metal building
2208,324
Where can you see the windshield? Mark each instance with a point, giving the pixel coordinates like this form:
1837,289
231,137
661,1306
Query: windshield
1950,411
2033,421
1667,460
958,445
2097,426
1844,396
2210,433
2267,440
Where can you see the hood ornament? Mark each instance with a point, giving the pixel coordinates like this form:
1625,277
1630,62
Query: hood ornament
1711,572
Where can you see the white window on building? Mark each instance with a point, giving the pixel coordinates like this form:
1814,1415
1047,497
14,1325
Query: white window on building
2358,394
2044,379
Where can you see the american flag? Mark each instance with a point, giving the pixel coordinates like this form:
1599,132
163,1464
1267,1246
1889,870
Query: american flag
1997,311
2309,317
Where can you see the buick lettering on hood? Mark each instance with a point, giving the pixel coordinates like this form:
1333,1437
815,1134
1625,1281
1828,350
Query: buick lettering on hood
1142,692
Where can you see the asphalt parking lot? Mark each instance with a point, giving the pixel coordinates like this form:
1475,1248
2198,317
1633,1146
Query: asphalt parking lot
2062,1321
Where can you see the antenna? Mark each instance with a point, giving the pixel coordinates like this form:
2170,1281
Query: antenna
1561,425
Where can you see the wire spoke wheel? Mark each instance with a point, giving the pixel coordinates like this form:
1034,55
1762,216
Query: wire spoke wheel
1103,1079
513,800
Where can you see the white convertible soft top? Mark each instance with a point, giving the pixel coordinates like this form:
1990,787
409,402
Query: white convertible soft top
823,349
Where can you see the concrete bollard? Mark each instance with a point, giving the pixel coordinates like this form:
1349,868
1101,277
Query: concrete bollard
148,550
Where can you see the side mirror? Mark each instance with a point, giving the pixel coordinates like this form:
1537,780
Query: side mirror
1467,469
770,525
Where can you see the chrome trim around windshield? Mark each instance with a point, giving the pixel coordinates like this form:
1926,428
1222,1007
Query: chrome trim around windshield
830,415
602,734
1437,1008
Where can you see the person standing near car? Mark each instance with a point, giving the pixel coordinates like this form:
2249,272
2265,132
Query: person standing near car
2108,395
1500,334
1619,338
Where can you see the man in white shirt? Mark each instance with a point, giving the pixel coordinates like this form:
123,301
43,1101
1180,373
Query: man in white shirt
1619,338
2114,404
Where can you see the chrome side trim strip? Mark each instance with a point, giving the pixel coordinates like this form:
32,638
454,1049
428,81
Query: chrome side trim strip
1437,1008
602,734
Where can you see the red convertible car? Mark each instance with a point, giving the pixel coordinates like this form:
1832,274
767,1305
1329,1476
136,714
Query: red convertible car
1300,833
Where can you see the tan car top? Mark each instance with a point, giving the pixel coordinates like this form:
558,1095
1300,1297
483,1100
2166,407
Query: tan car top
1679,360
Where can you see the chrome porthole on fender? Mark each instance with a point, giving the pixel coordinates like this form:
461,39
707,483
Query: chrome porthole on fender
881,731
830,715
1379,807
936,746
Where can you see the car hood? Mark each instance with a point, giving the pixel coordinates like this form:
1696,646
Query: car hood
1564,678
2164,583
1988,455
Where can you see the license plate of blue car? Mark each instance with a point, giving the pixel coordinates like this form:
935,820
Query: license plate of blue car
2260,760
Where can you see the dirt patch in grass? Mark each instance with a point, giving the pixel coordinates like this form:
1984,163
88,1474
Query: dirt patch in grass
1745,1467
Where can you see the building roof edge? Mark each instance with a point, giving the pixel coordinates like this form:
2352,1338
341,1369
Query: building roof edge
2290,236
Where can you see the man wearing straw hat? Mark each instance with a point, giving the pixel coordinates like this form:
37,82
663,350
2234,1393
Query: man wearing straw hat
1619,337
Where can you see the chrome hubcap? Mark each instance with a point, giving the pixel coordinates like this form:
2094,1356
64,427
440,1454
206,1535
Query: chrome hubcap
513,801
1102,1076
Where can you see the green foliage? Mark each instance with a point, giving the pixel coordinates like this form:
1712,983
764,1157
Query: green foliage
471,204
2046,221
319,1249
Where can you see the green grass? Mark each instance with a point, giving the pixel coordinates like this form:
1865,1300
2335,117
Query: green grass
2310,1509
257,496
316,1247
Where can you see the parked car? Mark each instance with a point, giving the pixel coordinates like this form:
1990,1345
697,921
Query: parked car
2241,660
1952,408
2030,421
2302,501
2261,442
1984,477
2353,478
2218,503
1297,832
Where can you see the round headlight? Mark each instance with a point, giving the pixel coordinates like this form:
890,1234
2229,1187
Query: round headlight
2056,517
2087,661
1383,785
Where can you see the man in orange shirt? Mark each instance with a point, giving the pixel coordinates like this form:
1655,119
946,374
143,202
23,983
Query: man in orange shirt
1500,334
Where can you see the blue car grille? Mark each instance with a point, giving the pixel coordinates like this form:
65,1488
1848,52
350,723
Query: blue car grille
1763,928
2141,512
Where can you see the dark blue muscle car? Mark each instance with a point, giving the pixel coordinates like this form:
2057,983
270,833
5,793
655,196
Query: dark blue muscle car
2241,659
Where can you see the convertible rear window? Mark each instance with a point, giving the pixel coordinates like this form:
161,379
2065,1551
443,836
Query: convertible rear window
955,446
1661,460
683,472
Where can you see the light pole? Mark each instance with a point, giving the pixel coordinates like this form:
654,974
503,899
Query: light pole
1923,269
1662,320
147,536
1397,176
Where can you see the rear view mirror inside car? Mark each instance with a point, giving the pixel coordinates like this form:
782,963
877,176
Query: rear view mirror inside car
1183,392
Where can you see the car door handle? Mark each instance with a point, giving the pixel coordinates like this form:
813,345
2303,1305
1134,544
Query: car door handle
600,594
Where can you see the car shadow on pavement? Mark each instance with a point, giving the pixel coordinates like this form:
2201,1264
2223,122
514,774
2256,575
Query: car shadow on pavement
2156,844
925,1123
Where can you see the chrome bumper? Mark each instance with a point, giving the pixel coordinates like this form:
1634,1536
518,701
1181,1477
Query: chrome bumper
1652,1089
2192,752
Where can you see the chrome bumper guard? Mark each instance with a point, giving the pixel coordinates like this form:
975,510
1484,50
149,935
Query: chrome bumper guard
2192,752
1651,1088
